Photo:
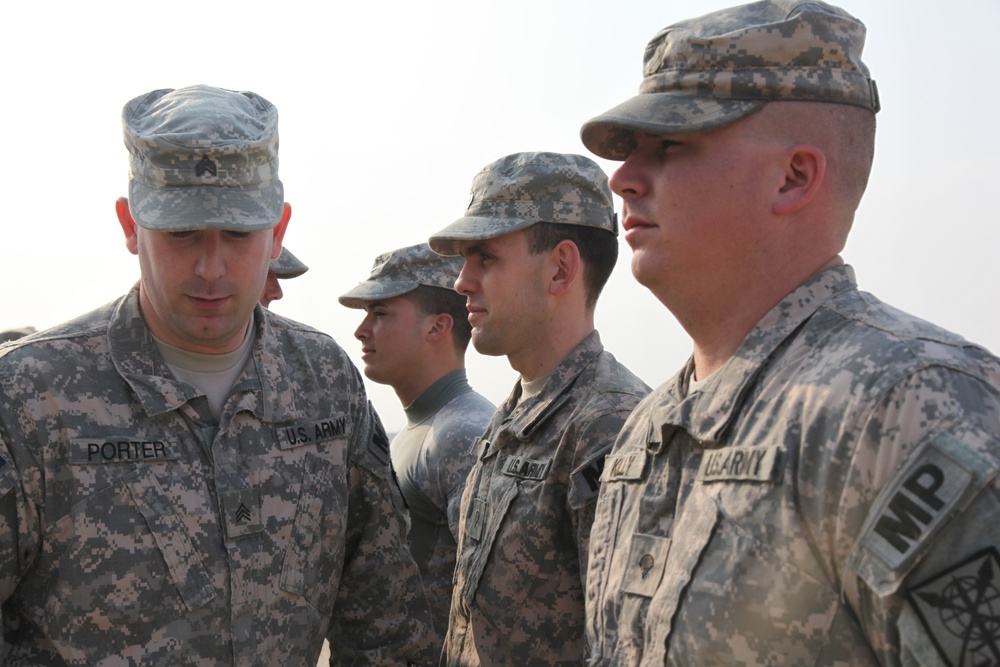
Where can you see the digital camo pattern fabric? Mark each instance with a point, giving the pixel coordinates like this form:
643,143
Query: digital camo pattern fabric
526,515
828,497
401,271
521,189
706,72
432,457
133,533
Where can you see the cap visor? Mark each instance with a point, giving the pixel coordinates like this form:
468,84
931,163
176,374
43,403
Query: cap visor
610,134
474,228
189,208
373,290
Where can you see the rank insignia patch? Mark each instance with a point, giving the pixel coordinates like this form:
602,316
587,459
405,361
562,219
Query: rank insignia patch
241,512
647,562
960,609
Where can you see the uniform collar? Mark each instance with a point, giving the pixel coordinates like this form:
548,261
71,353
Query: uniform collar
139,362
526,418
709,413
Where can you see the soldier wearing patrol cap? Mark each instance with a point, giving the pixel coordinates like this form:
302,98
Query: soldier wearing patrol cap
186,478
818,485
8,335
539,239
414,336
286,266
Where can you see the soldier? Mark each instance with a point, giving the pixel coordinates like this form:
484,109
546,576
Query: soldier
185,477
8,335
539,239
286,266
414,337
818,485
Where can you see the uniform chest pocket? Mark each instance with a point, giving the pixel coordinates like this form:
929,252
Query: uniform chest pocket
118,566
738,545
504,566
314,559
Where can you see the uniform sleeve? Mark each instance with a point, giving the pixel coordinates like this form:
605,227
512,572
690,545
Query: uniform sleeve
20,534
923,573
596,439
382,616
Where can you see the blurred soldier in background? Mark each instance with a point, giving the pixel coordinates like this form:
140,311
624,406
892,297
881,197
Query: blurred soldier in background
286,266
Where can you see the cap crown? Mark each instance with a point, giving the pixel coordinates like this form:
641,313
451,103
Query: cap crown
203,157
522,189
400,271
771,50
707,72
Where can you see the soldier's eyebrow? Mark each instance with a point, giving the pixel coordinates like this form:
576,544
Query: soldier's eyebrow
473,248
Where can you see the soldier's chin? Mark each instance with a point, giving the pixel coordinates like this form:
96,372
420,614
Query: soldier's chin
486,344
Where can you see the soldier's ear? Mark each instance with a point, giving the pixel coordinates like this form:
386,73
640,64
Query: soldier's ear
802,177
128,225
279,230
441,325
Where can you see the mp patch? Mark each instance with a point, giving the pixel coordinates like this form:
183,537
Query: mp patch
586,479
960,609
740,464
647,560
915,503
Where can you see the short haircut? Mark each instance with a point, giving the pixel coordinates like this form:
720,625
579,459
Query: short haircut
430,300
598,248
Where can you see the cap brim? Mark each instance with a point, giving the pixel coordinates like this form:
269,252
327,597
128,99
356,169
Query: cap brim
189,208
474,228
610,135
375,290
287,265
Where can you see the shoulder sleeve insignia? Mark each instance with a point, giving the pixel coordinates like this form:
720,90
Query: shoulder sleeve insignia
920,497
8,476
586,479
960,609
379,444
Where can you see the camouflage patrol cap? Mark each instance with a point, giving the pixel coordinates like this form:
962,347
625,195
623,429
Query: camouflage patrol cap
709,71
287,265
400,271
521,189
14,334
203,158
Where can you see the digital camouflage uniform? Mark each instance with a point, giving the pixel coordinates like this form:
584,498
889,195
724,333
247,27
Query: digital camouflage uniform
432,457
828,497
137,527
526,515
131,533
529,501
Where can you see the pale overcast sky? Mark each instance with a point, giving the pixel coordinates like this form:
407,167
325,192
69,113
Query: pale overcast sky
389,109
